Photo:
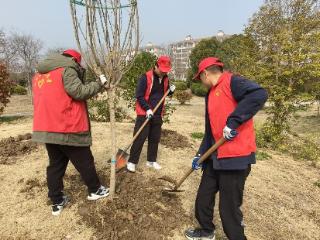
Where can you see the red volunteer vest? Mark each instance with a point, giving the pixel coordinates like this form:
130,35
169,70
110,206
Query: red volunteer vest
54,109
220,105
149,74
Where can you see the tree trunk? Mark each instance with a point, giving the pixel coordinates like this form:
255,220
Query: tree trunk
111,100
318,108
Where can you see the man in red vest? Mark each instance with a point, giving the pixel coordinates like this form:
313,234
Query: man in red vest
150,89
61,122
231,103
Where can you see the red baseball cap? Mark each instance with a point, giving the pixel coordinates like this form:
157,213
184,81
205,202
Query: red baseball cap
73,53
164,64
207,62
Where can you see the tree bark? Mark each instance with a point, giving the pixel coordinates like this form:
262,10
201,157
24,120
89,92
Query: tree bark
111,101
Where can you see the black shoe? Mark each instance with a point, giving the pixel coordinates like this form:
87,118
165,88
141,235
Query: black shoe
100,193
198,234
57,208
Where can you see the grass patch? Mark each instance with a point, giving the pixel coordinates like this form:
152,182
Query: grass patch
317,184
262,156
8,119
197,135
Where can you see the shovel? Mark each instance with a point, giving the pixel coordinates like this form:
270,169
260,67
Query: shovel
122,155
175,189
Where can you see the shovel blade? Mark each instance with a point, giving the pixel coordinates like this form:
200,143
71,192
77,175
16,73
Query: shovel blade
168,191
121,159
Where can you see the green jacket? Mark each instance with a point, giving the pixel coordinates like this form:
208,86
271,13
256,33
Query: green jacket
73,80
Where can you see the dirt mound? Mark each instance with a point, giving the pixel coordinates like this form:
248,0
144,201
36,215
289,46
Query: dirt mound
140,210
12,147
171,139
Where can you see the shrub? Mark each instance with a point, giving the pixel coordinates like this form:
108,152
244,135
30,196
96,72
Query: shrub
198,89
99,110
180,85
182,96
5,85
19,90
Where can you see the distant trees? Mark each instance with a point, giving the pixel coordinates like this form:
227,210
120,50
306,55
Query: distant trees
20,53
280,48
287,33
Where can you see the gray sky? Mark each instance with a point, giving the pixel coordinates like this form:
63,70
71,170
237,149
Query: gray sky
161,21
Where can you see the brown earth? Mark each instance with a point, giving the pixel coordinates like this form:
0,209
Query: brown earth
281,199
171,139
12,147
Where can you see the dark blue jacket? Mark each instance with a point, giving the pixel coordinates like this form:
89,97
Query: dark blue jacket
250,98
156,94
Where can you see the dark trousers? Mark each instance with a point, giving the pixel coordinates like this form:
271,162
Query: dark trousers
83,161
152,131
230,184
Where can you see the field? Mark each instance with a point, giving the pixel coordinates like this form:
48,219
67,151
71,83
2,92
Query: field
282,196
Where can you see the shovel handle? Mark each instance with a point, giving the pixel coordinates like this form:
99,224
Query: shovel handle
201,160
147,120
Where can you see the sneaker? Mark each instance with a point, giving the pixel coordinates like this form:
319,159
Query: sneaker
198,234
57,208
131,167
100,193
155,165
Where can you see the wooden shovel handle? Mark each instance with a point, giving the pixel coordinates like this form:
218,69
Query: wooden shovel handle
147,120
201,160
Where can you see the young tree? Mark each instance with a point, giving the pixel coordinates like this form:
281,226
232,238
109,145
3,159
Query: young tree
288,36
107,34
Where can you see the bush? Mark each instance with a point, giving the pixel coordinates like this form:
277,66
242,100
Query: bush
5,85
19,90
198,89
180,85
182,96
99,111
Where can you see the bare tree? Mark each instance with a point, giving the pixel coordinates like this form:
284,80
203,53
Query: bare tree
28,49
8,52
107,34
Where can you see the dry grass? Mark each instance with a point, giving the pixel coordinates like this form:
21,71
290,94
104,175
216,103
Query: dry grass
281,199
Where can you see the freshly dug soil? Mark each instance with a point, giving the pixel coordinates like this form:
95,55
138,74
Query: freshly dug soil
139,211
12,147
171,139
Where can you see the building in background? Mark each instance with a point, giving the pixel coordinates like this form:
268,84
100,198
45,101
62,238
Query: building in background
180,52
154,49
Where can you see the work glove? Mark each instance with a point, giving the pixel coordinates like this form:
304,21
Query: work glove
195,165
103,79
172,88
229,134
149,114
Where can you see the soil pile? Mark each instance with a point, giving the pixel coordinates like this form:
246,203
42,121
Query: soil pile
171,139
140,210
12,147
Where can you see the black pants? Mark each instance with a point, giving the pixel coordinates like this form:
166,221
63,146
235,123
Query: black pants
83,161
230,184
153,131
